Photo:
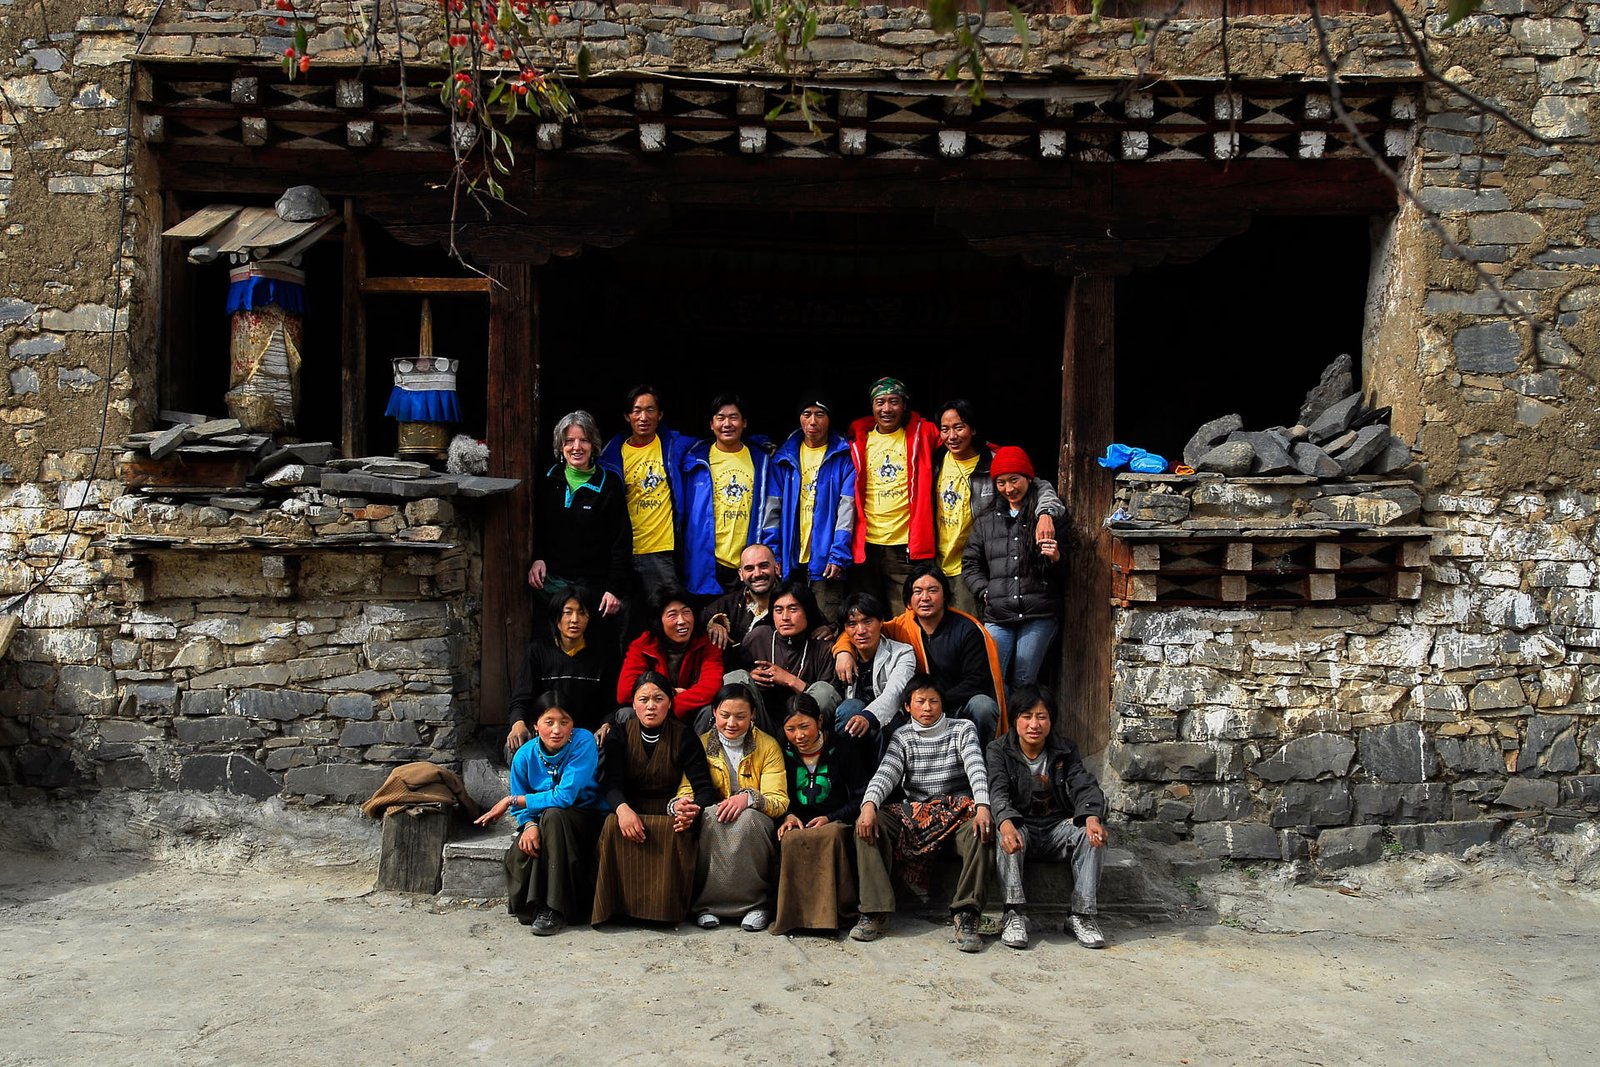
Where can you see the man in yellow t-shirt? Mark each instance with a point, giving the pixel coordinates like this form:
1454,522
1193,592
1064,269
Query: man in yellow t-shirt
726,501
814,481
649,460
892,450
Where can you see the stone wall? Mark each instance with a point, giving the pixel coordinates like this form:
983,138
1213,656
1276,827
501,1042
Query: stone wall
1251,732
256,651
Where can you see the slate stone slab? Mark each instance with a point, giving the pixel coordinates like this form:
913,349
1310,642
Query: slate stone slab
1312,804
1399,752
1529,794
1210,436
344,782
1471,755
1349,846
1396,456
1450,838
359,482
167,442
1178,761
1424,802
1309,757
1370,443
1238,841
227,774
1581,791
1337,381
1310,459
1272,454
473,486
1335,419
278,704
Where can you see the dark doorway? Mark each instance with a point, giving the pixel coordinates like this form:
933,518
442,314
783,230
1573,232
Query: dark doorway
763,304
1247,328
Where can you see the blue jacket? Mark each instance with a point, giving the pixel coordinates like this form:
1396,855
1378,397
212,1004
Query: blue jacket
674,449
833,518
575,784
697,545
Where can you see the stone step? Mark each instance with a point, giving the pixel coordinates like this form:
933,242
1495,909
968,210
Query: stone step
474,870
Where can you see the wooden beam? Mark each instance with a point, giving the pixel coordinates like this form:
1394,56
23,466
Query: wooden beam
513,411
1087,371
426,286
353,342
175,325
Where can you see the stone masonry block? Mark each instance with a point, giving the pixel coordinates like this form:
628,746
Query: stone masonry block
1399,752
1350,846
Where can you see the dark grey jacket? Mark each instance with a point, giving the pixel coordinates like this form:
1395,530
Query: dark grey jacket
1077,793
991,565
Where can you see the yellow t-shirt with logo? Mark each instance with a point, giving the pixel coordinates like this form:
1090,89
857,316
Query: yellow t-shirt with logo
955,510
810,464
887,498
733,486
649,498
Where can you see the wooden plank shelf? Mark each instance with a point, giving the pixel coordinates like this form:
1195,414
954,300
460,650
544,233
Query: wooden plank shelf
1284,572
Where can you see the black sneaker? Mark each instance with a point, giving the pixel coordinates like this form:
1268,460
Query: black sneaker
547,922
967,939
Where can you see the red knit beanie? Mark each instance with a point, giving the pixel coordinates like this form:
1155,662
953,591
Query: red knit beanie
1009,459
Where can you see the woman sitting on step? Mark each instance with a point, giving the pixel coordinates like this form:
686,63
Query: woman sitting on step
556,799
657,781
734,871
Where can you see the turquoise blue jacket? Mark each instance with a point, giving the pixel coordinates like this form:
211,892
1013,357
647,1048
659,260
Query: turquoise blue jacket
833,517
674,449
569,779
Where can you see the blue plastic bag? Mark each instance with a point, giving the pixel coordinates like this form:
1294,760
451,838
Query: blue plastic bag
1136,459
1116,457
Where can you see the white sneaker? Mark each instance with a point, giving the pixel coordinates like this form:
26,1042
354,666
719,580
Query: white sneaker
755,919
707,921
1086,930
1014,930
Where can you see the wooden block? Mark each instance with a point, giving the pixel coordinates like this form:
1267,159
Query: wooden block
1328,555
226,471
1234,588
1407,585
412,857
1322,587
1145,558
1142,588
1415,553
1239,556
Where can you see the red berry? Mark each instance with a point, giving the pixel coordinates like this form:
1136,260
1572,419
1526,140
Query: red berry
305,64
553,19
289,52
283,21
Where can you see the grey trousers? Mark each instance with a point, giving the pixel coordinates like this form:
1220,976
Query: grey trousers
873,863
1054,839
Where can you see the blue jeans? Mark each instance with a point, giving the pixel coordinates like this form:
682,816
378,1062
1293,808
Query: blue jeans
984,713
1021,646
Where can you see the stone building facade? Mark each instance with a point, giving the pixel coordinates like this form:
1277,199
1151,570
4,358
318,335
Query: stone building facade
167,642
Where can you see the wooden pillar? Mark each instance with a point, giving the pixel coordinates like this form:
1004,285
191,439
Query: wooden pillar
1087,371
513,429
353,345
175,319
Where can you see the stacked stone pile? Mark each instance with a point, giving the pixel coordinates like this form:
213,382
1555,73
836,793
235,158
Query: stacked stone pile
1337,436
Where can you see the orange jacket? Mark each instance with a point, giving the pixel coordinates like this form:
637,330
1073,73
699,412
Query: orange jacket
904,627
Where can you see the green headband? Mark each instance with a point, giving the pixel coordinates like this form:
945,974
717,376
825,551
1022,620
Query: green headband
885,386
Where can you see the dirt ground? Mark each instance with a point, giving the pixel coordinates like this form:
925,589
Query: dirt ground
1429,961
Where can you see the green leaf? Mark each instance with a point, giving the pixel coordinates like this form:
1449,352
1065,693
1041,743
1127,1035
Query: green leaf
1019,22
942,15
300,40
778,109
1460,9
585,61
1094,11
1138,31
809,32
497,92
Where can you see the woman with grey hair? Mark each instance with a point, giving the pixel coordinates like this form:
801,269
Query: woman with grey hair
581,532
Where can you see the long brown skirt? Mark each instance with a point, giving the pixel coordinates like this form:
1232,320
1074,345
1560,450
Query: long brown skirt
734,871
651,881
562,877
816,879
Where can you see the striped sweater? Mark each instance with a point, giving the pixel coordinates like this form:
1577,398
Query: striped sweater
942,760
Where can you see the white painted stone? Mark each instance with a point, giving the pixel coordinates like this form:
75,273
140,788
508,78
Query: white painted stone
652,136
1052,143
752,140
87,318
31,90
1313,143
1548,37
1562,116
852,142
1135,144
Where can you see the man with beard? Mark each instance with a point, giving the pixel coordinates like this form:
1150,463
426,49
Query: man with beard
731,616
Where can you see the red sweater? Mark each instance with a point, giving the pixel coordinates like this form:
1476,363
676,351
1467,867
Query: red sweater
699,677
922,437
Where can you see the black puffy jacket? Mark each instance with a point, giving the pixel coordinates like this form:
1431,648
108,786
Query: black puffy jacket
992,566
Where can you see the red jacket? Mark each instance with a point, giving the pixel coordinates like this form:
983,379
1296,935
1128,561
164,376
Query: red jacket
922,437
700,676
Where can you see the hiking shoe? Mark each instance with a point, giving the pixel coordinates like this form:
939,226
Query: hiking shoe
967,939
707,921
755,919
1014,929
870,926
547,922
1086,930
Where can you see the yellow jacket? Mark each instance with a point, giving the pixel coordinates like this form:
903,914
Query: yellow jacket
761,772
